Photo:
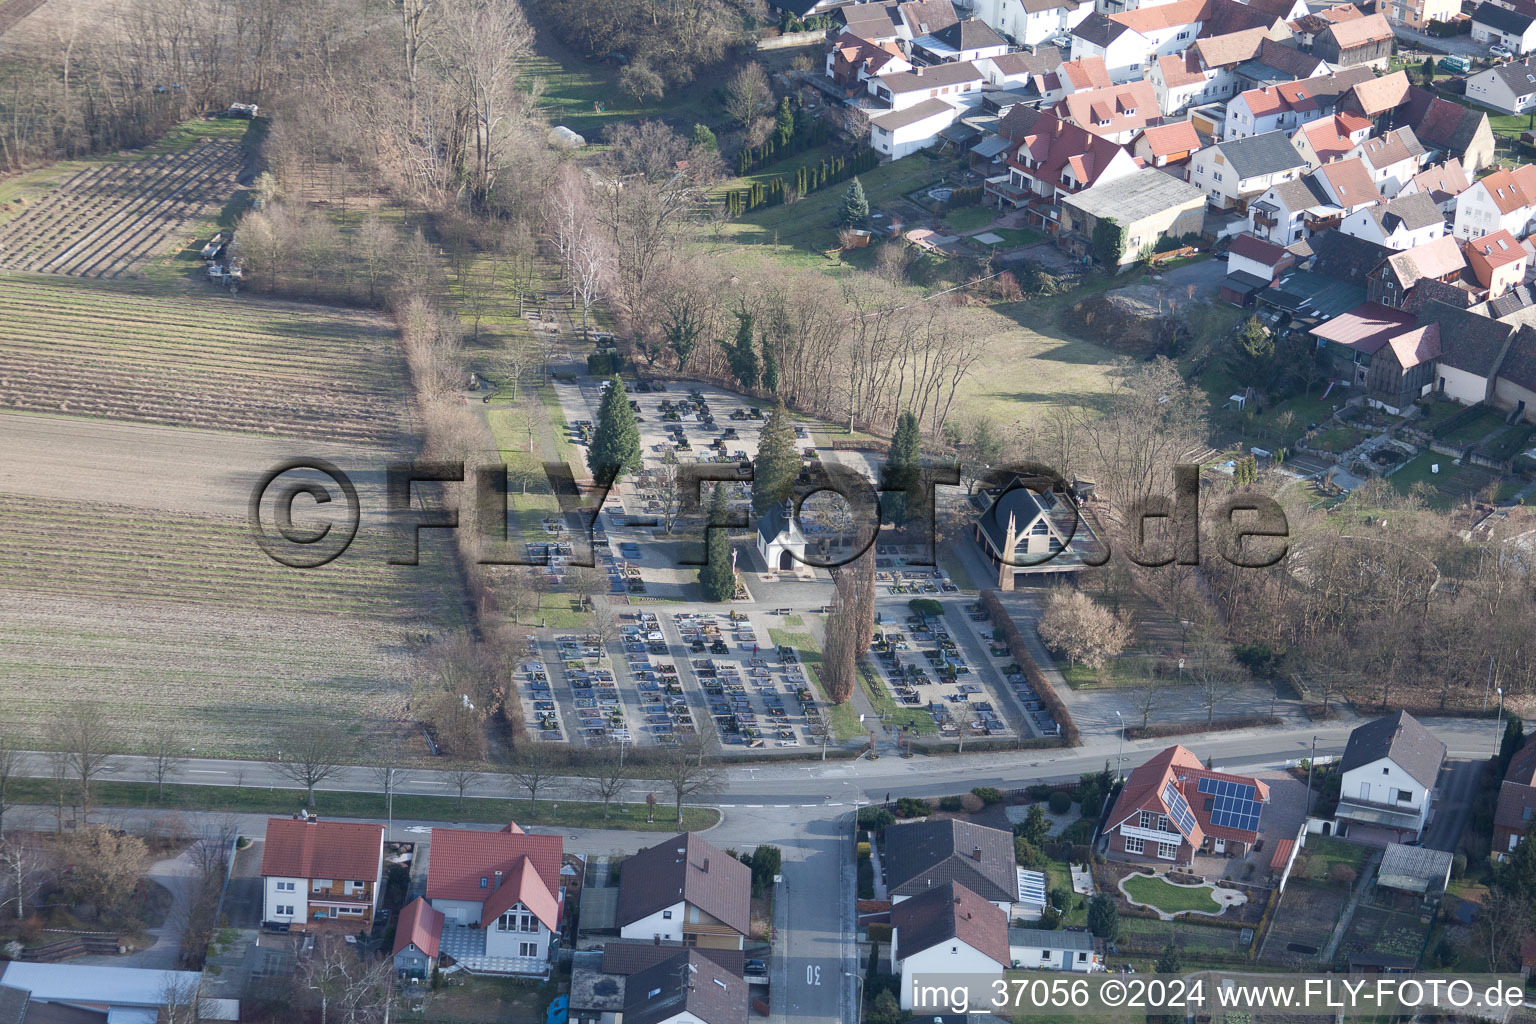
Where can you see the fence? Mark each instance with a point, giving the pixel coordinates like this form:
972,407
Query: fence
790,40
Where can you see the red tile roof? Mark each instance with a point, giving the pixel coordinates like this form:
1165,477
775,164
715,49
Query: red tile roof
1252,247
1181,69
1330,138
340,850
1522,767
1443,180
1350,182
1379,95
1367,327
1358,32
1231,48
523,885
1113,109
1056,144
1171,139
1150,19
1282,854
1496,250
1178,767
420,925
1512,190
461,858
1085,73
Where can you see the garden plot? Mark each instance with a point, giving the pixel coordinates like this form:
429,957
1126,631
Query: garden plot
180,618
1302,924
214,362
109,218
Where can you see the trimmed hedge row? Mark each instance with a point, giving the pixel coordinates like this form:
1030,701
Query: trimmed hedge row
1019,651
1160,729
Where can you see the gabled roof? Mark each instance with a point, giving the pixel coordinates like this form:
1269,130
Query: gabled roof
1408,212
925,17
524,885
420,925
1287,59
1022,62
1442,181
1502,18
970,35
935,76
1133,198
1252,247
1440,123
1348,182
1060,938
1416,347
690,983
1181,69
870,56
1519,76
892,120
628,957
1508,304
946,913
1498,249
1299,194
689,869
1522,766
1330,137
923,854
1099,30
1269,153
1113,109
1230,48
1400,738
1056,145
1511,190
1344,257
1147,20
1397,145
871,20
341,850
476,866
1358,32
1516,808
1518,366
1435,259
1379,95
780,519
1366,328
1175,773
1469,342
1224,17
1171,138
1086,73
1041,6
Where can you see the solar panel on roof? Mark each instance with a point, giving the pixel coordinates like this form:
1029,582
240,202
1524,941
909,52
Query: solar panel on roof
1178,809
1233,805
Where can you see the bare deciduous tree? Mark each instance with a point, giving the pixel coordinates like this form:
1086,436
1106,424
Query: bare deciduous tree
747,94
463,779
310,755
605,776
691,770
1073,625
10,772
167,755
83,741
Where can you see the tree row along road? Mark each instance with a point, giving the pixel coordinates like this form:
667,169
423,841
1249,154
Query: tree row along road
839,783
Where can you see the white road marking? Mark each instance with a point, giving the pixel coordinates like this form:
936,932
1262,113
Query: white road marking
204,771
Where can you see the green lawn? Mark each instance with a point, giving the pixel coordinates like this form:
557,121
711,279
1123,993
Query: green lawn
1323,852
969,218
1486,420
1170,899
1416,471
476,806
1013,238
586,97
1338,439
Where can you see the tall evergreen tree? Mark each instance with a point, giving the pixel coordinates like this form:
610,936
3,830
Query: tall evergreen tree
717,578
1251,357
777,463
786,122
901,466
770,369
743,354
855,208
616,439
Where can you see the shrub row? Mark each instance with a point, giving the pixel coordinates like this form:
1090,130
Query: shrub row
1019,651
1160,729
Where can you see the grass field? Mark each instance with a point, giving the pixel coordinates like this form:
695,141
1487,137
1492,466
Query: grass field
842,720
586,97
1170,899
212,361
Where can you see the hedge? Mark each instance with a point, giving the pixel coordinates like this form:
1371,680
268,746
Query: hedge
1147,732
1019,651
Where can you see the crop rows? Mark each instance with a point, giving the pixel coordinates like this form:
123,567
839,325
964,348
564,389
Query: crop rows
105,220
213,362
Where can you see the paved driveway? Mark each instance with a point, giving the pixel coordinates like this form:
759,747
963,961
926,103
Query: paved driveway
1437,44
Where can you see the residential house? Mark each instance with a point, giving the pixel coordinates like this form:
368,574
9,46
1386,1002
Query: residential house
1393,159
1306,28
1502,200
1235,171
1123,50
852,62
1382,351
898,133
418,938
1166,145
1083,73
1400,280
879,22
1403,223
1064,949
1388,775
1165,29
1517,802
1348,186
1510,88
1289,211
1180,81
1441,182
1278,62
1018,70
1147,206
687,890
920,18
500,898
688,987
1328,280
968,40
1054,159
1252,265
1032,22
959,83
1514,30
601,978
1173,807
1449,130
1498,261
1515,386
948,930
1472,352
1418,14
315,872
1363,41
1377,98
923,854
1332,138
1288,105
1222,17
1116,112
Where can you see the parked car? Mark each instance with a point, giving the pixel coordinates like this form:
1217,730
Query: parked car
214,245
1499,50
754,967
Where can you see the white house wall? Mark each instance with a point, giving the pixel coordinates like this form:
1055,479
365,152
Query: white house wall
659,923
951,957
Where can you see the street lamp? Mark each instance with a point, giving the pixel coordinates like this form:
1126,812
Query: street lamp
858,979
1498,723
1120,751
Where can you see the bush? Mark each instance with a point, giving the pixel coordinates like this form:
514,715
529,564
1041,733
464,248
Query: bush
1159,729
911,807
988,795
866,880
863,850
1026,854
1039,791
1050,919
949,803
1059,802
879,931
1458,865
926,606
875,818
970,803
1342,873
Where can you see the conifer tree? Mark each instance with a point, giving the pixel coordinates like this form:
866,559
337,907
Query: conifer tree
855,208
743,354
777,463
717,578
616,439
901,467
